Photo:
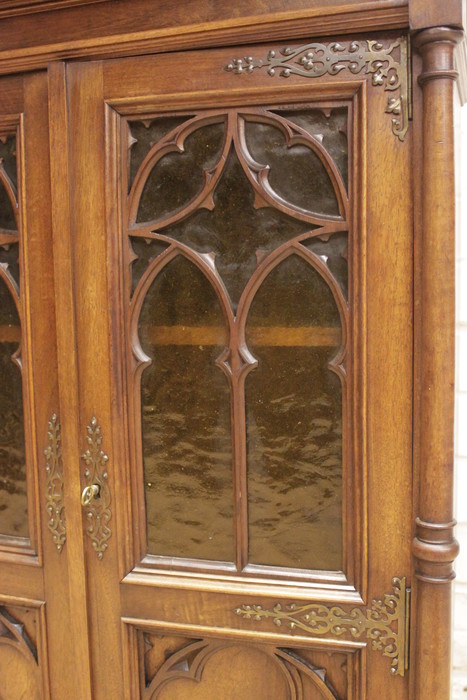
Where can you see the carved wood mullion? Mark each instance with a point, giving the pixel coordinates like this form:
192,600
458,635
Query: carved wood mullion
434,546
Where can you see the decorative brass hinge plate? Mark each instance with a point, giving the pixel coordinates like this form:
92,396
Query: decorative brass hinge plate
385,624
98,511
55,505
388,66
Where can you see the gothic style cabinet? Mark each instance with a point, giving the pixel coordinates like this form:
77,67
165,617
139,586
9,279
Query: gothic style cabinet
226,279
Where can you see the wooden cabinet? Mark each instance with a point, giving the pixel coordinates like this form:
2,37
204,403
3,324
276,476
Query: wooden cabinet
226,334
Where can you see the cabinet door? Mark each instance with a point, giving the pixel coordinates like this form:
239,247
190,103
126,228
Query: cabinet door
242,241
34,546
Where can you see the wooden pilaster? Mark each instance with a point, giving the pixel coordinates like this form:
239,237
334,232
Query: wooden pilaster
434,545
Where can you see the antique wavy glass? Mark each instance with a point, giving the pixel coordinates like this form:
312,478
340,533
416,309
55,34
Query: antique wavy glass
238,314
13,496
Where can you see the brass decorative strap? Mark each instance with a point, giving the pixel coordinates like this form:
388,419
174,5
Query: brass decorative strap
98,511
385,624
388,66
55,506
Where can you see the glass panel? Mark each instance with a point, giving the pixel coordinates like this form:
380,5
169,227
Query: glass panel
330,125
13,500
187,450
143,136
294,422
235,231
146,250
178,177
9,254
334,253
296,173
8,157
7,216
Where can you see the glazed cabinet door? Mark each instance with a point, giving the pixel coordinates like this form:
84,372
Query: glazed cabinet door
241,230
35,644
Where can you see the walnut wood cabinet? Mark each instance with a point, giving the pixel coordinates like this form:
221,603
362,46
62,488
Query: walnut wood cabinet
226,348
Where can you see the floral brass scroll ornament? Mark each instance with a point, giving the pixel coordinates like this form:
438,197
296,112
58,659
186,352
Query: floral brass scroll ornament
385,624
388,67
55,506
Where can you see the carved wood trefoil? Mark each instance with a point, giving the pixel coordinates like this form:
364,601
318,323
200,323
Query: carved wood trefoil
98,511
388,66
55,506
385,624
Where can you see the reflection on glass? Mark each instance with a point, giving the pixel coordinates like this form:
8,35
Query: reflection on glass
328,125
179,176
296,173
13,500
235,231
294,422
186,435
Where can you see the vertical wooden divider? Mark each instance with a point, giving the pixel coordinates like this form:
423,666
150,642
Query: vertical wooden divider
77,623
434,546
91,241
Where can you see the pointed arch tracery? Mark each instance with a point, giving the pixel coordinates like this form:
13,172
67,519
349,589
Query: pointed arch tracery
13,492
236,360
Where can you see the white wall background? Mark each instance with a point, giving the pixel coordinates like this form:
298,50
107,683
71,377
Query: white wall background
459,689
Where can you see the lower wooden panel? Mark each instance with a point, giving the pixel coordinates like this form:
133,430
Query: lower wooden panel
164,665
23,664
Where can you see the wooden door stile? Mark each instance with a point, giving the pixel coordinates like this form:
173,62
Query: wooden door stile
62,228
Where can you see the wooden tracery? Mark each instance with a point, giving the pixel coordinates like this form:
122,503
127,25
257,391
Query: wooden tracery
236,360
12,422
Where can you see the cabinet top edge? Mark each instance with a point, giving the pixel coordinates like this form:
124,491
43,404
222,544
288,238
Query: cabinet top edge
94,29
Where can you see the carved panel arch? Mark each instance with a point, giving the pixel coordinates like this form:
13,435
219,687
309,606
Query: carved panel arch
288,672
19,659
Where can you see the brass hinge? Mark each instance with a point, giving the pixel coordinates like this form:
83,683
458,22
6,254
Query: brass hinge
386,624
409,79
388,66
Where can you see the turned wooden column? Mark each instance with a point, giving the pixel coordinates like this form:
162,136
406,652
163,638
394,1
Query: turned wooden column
434,545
